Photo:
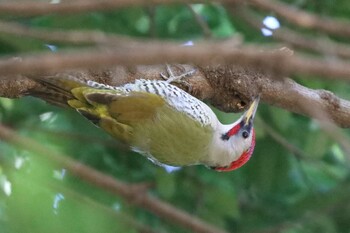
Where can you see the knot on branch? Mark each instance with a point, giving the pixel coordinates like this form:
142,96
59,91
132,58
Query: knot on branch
332,100
234,86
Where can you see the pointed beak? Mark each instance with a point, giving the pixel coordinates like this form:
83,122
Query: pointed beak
248,116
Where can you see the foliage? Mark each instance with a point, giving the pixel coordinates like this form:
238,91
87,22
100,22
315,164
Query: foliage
275,190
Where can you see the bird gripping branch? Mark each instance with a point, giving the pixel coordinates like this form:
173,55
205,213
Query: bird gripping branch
158,120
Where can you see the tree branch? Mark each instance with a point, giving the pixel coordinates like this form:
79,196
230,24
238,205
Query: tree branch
297,152
292,93
110,184
201,22
294,15
275,62
316,44
33,8
305,19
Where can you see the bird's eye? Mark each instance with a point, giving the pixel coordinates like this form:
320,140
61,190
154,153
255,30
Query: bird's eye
245,134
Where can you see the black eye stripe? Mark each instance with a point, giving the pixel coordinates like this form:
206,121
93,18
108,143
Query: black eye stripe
225,137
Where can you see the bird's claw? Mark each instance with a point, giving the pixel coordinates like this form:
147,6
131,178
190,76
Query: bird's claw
171,78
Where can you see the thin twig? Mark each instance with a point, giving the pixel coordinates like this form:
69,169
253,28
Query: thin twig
152,31
326,124
201,22
299,154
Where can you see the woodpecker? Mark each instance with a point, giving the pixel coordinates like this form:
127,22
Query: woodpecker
158,120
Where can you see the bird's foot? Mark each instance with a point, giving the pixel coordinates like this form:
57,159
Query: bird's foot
171,78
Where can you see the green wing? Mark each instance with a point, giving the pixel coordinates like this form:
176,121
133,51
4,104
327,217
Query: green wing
115,110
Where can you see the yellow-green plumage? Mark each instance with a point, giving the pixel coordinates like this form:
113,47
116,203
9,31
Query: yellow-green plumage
143,120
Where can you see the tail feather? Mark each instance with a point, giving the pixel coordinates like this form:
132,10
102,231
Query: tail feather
54,98
55,90
88,100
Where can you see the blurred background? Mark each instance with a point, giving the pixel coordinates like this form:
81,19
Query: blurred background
298,179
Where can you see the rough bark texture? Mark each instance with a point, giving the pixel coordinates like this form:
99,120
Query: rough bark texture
228,88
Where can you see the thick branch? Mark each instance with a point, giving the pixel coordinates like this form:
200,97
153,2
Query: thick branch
293,96
229,88
157,53
286,94
130,193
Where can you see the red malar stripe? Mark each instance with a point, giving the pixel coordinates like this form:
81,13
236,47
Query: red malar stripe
234,130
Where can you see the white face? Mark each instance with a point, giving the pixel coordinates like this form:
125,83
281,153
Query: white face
230,147
240,142
234,144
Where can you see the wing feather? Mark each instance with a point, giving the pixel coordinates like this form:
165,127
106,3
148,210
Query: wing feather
116,111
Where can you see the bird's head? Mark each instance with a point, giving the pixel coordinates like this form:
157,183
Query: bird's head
241,137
